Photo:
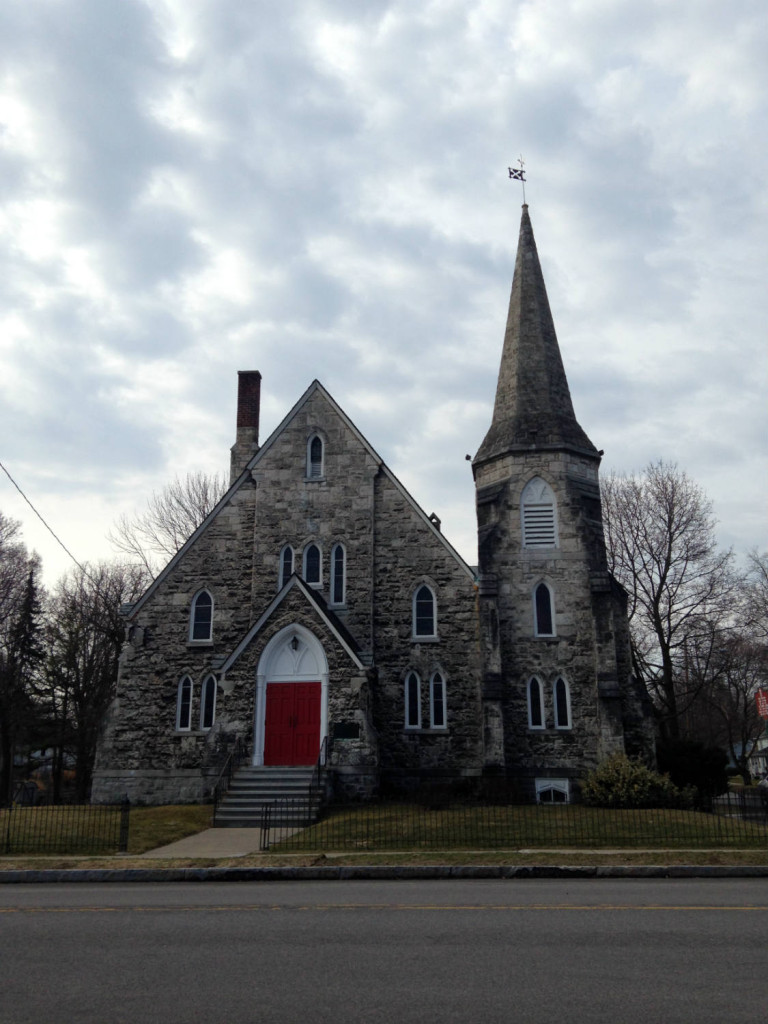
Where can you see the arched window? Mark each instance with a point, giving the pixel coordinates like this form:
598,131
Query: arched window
535,704
424,612
537,504
338,574
313,565
208,703
201,617
543,611
315,458
286,564
437,713
184,705
562,704
412,701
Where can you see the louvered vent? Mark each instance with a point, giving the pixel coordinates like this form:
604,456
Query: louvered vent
538,514
539,526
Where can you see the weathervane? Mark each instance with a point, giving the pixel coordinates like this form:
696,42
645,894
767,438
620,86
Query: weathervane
518,173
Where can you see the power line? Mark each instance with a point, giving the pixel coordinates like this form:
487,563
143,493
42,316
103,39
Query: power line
58,540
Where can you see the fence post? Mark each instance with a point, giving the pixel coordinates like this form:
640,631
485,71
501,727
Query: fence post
125,813
265,823
8,829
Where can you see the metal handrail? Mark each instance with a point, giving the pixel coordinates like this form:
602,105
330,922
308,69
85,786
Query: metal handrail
322,759
224,780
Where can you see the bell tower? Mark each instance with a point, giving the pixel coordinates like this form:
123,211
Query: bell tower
557,682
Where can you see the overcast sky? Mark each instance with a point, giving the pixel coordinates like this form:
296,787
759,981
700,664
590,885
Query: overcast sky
319,188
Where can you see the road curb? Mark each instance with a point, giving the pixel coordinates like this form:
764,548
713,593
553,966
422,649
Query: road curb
378,872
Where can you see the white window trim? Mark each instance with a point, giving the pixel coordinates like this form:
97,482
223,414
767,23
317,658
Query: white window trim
411,727
333,602
562,728
560,785
531,681
424,636
200,640
309,474
188,726
444,726
550,591
318,584
212,680
282,578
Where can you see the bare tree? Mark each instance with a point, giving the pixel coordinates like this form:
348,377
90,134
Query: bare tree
756,605
84,636
154,536
744,669
661,547
20,646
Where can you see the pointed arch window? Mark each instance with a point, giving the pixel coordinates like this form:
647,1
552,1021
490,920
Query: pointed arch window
338,574
543,611
184,705
201,617
562,696
535,704
437,711
424,613
412,701
286,565
208,703
315,457
313,565
538,512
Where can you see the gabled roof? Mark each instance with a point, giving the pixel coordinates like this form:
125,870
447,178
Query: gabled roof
533,407
318,607
314,387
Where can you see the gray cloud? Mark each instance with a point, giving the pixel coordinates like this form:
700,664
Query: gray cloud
318,190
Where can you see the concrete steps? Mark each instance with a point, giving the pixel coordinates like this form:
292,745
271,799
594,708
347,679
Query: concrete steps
252,788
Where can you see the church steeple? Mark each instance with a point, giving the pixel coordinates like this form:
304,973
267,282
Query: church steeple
533,407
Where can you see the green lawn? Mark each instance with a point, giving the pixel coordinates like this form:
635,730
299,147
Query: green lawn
405,826
95,829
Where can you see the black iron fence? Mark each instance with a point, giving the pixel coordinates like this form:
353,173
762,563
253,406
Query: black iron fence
65,829
730,821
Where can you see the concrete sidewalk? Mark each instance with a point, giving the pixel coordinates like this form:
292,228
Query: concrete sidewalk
219,842
213,842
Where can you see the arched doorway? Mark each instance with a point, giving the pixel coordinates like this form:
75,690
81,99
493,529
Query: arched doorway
291,699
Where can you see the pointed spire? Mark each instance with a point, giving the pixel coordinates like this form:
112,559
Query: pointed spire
533,403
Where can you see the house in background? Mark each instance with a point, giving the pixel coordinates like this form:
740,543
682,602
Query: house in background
319,606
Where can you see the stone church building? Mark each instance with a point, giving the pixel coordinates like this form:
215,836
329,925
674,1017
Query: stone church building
318,612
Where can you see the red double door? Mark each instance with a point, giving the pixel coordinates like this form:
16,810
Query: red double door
292,725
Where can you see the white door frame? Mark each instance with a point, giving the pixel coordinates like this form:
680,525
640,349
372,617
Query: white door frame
282,663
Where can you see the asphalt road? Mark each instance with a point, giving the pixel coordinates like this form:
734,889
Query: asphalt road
469,951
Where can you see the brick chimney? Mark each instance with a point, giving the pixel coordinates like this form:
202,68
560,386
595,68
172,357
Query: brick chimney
247,439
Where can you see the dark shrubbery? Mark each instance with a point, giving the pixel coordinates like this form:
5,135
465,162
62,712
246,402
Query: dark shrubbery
689,763
619,782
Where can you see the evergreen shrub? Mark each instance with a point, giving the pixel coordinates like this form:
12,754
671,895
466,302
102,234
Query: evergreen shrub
621,782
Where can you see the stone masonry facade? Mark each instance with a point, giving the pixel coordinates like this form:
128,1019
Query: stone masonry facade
318,571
